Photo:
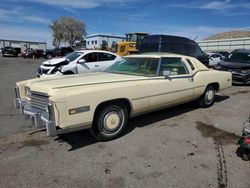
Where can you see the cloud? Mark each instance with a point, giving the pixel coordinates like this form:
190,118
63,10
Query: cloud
26,33
19,14
81,4
217,5
214,5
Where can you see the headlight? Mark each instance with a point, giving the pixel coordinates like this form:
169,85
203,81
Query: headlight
57,68
27,92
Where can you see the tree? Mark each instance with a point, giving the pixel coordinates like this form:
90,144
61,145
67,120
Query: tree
67,29
57,33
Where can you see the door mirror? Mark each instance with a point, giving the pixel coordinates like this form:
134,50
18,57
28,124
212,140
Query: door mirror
166,74
82,61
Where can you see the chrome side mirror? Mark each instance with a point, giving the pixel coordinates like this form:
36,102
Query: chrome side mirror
167,74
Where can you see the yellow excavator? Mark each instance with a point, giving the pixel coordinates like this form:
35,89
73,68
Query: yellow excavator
132,44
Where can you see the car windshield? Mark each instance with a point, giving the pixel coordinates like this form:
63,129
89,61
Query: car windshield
239,57
72,56
135,66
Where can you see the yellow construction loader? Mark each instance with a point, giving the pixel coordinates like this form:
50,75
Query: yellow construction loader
132,44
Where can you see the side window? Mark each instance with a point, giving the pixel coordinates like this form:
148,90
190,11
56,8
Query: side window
91,57
174,65
105,57
190,64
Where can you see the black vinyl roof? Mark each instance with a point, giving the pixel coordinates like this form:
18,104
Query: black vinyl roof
169,38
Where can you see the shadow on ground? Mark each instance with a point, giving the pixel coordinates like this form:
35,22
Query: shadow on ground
83,138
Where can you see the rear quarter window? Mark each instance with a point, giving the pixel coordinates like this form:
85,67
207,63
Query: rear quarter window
190,64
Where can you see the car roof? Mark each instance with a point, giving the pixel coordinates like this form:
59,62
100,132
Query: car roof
170,38
94,51
158,55
242,51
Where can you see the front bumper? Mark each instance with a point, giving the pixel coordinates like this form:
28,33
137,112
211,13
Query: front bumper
241,78
39,118
237,76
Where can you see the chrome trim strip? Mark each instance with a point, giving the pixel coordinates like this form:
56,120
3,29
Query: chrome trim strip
167,93
97,83
79,110
74,128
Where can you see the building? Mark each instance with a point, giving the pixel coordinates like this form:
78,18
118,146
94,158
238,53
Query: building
20,46
102,41
224,44
226,41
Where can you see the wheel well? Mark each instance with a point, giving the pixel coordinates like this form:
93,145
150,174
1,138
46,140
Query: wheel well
215,85
68,72
115,101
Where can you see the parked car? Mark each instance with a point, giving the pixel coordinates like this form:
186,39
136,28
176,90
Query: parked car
173,44
32,53
78,62
9,51
237,62
214,58
223,53
57,52
104,101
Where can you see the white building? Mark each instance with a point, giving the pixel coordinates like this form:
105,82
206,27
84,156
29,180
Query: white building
20,46
224,44
97,41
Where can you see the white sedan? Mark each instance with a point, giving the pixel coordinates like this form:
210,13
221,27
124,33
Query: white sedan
214,58
82,61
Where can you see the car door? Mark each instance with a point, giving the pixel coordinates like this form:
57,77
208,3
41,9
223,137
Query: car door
177,88
90,65
105,60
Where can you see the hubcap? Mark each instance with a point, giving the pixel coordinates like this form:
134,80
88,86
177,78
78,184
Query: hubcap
209,96
112,121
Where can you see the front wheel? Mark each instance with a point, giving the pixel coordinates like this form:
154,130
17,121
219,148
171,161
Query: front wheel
110,121
207,99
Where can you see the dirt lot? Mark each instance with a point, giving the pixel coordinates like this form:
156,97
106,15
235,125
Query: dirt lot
182,146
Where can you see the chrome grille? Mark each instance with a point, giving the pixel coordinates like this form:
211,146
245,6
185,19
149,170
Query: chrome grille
39,100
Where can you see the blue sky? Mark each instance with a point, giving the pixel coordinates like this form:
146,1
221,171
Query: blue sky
197,19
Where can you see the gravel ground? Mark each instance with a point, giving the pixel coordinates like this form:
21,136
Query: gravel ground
183,146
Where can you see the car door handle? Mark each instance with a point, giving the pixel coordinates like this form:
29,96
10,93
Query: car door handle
191,79
96,65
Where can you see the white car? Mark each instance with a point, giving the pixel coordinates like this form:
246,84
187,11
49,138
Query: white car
82,61
214,58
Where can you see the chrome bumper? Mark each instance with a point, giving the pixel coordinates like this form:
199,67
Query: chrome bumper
40,118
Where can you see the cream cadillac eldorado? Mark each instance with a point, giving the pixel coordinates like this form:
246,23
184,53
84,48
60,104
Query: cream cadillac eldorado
104,101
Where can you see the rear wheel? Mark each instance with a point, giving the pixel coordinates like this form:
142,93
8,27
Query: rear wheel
110,121
207,99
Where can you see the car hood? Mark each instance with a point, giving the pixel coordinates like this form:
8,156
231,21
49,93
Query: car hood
234,65
54,61
45,85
